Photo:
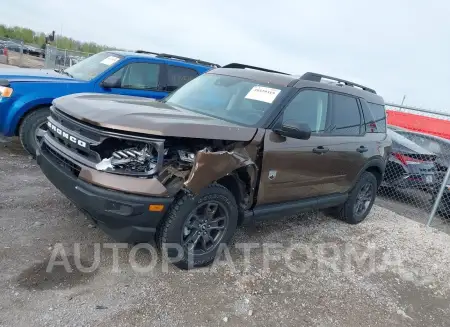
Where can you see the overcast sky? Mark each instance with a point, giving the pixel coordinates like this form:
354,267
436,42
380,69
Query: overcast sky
397,47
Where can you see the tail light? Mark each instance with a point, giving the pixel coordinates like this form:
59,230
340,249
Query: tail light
404,159
373,127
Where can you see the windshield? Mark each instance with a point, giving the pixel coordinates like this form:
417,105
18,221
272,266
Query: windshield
229,98
92,66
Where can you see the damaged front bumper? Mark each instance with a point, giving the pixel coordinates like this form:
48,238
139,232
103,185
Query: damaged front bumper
115,177
120,205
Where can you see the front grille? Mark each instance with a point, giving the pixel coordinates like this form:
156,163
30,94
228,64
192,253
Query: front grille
86,153
62,127
74,125
61,161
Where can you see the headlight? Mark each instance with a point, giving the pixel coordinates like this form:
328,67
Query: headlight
186,156
5,92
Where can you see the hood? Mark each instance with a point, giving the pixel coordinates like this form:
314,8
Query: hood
32,75
146,116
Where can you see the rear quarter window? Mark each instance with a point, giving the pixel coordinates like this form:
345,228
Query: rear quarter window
374,117
379,115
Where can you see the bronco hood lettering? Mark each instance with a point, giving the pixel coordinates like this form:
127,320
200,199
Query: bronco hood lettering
140,115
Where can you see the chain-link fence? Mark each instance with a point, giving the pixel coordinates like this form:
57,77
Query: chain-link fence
17,53
59,58
416,180
11,51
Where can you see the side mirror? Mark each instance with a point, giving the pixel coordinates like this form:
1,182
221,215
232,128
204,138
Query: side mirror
294,129
111,82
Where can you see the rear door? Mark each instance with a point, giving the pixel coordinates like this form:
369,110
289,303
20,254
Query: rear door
144,79
350,146
177,76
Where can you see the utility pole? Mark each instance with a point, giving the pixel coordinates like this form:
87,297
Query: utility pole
404,97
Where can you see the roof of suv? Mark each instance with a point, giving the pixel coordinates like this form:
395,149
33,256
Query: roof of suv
165,57
263,75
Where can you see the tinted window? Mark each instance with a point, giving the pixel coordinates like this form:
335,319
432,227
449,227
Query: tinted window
140,76
178,76
309,107
379,115
346,118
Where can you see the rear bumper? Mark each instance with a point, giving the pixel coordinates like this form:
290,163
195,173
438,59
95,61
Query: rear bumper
423,182
125,217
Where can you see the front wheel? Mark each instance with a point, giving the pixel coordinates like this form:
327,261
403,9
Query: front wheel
360,200
195,227
32,129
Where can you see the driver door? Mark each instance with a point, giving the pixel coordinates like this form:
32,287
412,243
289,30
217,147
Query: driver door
294,169
139,79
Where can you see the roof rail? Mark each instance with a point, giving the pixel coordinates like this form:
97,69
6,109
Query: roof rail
186,59
315,77
147,52
242,66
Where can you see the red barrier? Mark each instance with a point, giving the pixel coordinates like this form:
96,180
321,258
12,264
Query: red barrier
419,123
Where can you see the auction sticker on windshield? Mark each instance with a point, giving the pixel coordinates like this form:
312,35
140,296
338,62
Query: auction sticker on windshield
109,60
262,93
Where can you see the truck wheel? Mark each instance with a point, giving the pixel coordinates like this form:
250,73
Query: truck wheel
360,200
33,128
198,225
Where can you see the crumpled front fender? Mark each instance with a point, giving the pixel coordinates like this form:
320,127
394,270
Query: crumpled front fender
212,166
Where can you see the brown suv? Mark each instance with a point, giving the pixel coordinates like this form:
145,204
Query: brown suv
234,144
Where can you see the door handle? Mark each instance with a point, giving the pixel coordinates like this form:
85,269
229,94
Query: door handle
362,149
320,150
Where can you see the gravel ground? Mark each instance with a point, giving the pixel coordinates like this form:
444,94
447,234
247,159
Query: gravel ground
26,61
403,282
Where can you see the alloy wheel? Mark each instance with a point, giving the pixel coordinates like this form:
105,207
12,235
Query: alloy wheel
204,228
363,199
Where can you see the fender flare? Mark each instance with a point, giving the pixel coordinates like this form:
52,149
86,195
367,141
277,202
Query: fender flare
377,162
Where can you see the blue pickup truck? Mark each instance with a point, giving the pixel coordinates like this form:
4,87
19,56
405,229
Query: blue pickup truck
27,94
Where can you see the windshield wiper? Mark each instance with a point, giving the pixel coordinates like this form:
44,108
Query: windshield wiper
63,72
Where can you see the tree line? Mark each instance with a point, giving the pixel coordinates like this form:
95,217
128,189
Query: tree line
29,36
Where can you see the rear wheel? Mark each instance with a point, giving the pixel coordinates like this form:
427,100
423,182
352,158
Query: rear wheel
198,225
32,129
359,202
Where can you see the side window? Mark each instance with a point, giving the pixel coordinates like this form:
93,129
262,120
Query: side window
346,117
309,107
139,76
178,76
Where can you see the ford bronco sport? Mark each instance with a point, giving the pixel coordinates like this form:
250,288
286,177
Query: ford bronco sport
234,144
26,94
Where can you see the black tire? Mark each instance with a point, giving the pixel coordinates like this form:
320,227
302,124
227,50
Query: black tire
173,228
29,126
347,211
